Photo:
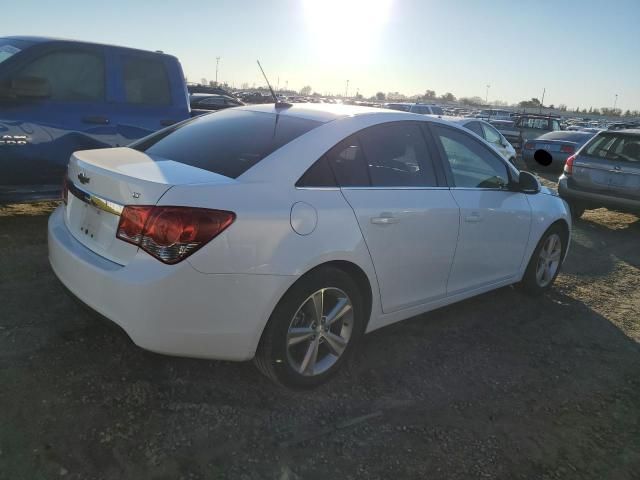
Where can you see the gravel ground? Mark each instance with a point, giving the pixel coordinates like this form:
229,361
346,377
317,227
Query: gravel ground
499,386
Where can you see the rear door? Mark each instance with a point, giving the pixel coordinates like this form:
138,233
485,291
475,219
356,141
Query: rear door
408,218
494,221
148,100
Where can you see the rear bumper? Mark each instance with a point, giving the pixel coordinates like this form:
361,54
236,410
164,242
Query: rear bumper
595,200
173,310
557,161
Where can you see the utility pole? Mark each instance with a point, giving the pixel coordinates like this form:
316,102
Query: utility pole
286,85
486,98
217,63
278,85
542,102
346,90
615,102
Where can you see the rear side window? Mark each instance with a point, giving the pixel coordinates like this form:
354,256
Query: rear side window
146,81
612,146
228,142
72,75
397,156
348,163
437,111
475,128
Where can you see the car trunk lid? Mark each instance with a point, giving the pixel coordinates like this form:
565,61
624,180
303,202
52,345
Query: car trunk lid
102,182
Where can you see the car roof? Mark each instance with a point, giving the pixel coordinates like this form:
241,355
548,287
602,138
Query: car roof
39,40
323,112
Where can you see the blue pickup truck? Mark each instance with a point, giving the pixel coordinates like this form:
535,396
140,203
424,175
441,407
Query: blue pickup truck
59,96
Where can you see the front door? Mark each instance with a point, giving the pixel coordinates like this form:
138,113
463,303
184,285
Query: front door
494,222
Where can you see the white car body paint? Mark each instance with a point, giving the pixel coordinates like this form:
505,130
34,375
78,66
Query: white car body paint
216,303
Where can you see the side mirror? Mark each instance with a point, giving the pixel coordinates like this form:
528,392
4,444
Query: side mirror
30,87
528,183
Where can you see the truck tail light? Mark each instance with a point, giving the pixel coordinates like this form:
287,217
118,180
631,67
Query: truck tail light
529,146
567,149
171,234
568,166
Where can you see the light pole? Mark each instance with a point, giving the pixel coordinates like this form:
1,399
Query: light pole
346,90
615,102
217,63
486,98
544,90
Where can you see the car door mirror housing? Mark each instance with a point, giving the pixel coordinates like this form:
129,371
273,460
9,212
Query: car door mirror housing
30,87
528,183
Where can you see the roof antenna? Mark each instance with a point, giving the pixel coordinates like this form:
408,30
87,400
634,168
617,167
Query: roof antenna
275,98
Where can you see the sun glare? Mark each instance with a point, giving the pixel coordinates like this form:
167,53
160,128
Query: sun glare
345,31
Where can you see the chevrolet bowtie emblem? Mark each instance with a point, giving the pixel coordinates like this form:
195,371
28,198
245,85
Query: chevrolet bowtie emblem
83,178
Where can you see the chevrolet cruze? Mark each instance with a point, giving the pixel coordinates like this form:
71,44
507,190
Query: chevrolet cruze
284,233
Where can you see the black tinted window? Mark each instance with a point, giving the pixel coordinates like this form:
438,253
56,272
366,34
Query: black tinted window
475,128
318,175
228,142
397,156
472,164
348,163
146,81
72,75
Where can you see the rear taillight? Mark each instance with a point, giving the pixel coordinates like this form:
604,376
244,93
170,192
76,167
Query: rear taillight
567,149
529,146
568,166
65,189
171,234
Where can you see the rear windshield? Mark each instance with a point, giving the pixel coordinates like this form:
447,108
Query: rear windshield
569,136
615,146
228,142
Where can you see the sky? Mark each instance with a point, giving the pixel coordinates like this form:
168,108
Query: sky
583,52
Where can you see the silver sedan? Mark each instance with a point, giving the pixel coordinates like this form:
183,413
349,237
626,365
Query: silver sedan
551,150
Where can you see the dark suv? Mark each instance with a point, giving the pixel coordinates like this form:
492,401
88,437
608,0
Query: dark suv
604,173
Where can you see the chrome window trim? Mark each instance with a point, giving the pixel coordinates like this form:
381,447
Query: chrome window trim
97,201
395,188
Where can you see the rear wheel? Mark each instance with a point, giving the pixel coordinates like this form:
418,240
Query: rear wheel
313,330
545,262
577,210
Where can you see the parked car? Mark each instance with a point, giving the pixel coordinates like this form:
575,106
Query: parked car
59,96
551,150
494,114
532,126
203,101
509,131
604,173
285,233
421,108
491,135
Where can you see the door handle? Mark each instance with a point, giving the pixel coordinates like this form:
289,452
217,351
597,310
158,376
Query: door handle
95,119
473,217
385,219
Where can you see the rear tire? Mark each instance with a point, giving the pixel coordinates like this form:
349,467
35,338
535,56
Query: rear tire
301,347
545,263
577,210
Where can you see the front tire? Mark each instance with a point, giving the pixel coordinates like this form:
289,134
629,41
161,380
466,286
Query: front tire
313,330
546,261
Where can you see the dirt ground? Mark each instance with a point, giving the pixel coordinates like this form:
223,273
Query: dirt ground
500,386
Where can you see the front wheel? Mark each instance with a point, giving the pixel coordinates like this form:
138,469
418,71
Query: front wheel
545,262
313,330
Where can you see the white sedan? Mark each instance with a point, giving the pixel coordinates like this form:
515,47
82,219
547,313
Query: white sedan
490,134
284,233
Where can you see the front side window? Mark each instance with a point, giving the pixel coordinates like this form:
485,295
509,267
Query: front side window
228,142
146,81
71,75
473,165
491,135
437,111
397,156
